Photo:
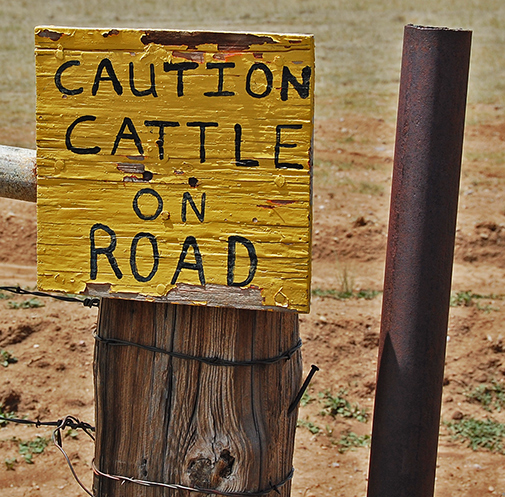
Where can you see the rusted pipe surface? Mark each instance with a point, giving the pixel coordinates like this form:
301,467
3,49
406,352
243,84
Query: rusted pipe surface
18,176
424,198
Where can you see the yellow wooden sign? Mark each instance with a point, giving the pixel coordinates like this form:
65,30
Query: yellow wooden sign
175,166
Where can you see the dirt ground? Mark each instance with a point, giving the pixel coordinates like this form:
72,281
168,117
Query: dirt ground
53,344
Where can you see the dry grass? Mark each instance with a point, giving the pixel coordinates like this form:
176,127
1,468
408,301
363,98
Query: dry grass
358,44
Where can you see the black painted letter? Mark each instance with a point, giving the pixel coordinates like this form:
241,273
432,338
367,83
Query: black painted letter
199,214
220,67
180,67
161,140
133,135
57,78
143,93
238,141
68,137
278,145
269,79
303,88
232,255
159,208
197,266
106,251
107,65
202,127
133,256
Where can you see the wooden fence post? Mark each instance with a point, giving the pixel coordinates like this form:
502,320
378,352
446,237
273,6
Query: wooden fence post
174,420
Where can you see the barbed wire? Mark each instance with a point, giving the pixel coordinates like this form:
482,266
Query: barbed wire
67,422
74,423
209,491
213,361
86,301
70,422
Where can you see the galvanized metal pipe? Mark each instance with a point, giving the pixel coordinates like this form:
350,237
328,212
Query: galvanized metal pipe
18,175
420,251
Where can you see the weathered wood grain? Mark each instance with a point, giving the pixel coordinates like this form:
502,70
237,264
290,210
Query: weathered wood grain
182,421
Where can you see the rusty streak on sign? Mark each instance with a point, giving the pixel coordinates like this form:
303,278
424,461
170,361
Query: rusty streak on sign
175,166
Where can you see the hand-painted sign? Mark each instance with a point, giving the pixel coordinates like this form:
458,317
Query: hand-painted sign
175,166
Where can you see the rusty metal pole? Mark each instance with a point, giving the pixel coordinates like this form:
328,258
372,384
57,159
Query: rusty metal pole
420,251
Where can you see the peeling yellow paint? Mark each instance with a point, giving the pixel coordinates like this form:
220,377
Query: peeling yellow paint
171,163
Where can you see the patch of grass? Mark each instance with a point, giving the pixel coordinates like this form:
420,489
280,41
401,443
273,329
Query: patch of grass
335,294
369,188
338,405
29,448
306,399
487,434
5,414
490,396
486,307
461,299
468,298
367,294
71,433
314,429
26,304
4,296
350,440
10,462
7,358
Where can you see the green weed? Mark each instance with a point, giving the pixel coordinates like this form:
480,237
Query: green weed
5,414
28,448
491,396
7,358
349,440
309,425
338,405
306,399
486,307
27,304
468,299
367,294
10,462
4,296
72,433
479,434
461,299
369,188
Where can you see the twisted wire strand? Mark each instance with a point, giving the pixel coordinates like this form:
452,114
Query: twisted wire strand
214,361
209,491
87,301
